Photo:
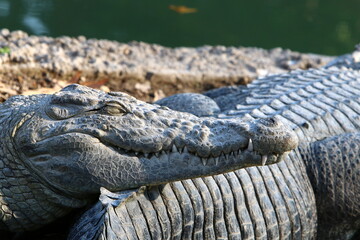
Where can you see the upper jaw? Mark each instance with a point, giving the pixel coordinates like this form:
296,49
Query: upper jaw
223,140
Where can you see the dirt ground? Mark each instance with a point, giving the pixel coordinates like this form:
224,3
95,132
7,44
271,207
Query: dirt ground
40,64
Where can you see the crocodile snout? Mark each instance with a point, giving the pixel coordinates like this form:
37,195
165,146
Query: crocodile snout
271,136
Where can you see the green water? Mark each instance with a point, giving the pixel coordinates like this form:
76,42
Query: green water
320,26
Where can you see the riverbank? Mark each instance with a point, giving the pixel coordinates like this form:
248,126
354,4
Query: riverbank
40,64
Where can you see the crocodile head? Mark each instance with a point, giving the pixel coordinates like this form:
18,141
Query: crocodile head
79,139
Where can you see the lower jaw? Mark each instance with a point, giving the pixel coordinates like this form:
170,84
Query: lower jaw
180,167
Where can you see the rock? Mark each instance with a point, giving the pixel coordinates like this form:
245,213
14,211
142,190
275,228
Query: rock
4,32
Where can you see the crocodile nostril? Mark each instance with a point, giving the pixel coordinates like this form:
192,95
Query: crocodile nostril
306,125
269,122
272,120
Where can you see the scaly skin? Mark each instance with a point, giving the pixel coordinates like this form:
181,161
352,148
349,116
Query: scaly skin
58,150
269,202
323,108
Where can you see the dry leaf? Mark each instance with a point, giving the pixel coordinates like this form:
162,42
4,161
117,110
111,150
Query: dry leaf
182,9
95,84
76,77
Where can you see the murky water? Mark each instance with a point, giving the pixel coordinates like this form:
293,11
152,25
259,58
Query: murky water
321,26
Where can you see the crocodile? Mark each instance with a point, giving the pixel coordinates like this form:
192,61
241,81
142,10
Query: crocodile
58,150
314,193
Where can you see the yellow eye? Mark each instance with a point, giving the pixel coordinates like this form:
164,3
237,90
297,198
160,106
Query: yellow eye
58,113
115,108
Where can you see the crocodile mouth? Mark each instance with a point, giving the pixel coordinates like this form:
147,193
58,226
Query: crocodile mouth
189,157
95,161
184,154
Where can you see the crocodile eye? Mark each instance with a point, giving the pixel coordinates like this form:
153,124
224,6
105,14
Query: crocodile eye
115,108
58,113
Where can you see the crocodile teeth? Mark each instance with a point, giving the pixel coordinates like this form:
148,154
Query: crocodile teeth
203,160
163,156
185,150
146,155
234,154
216,161
250,146
174,149
264,159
